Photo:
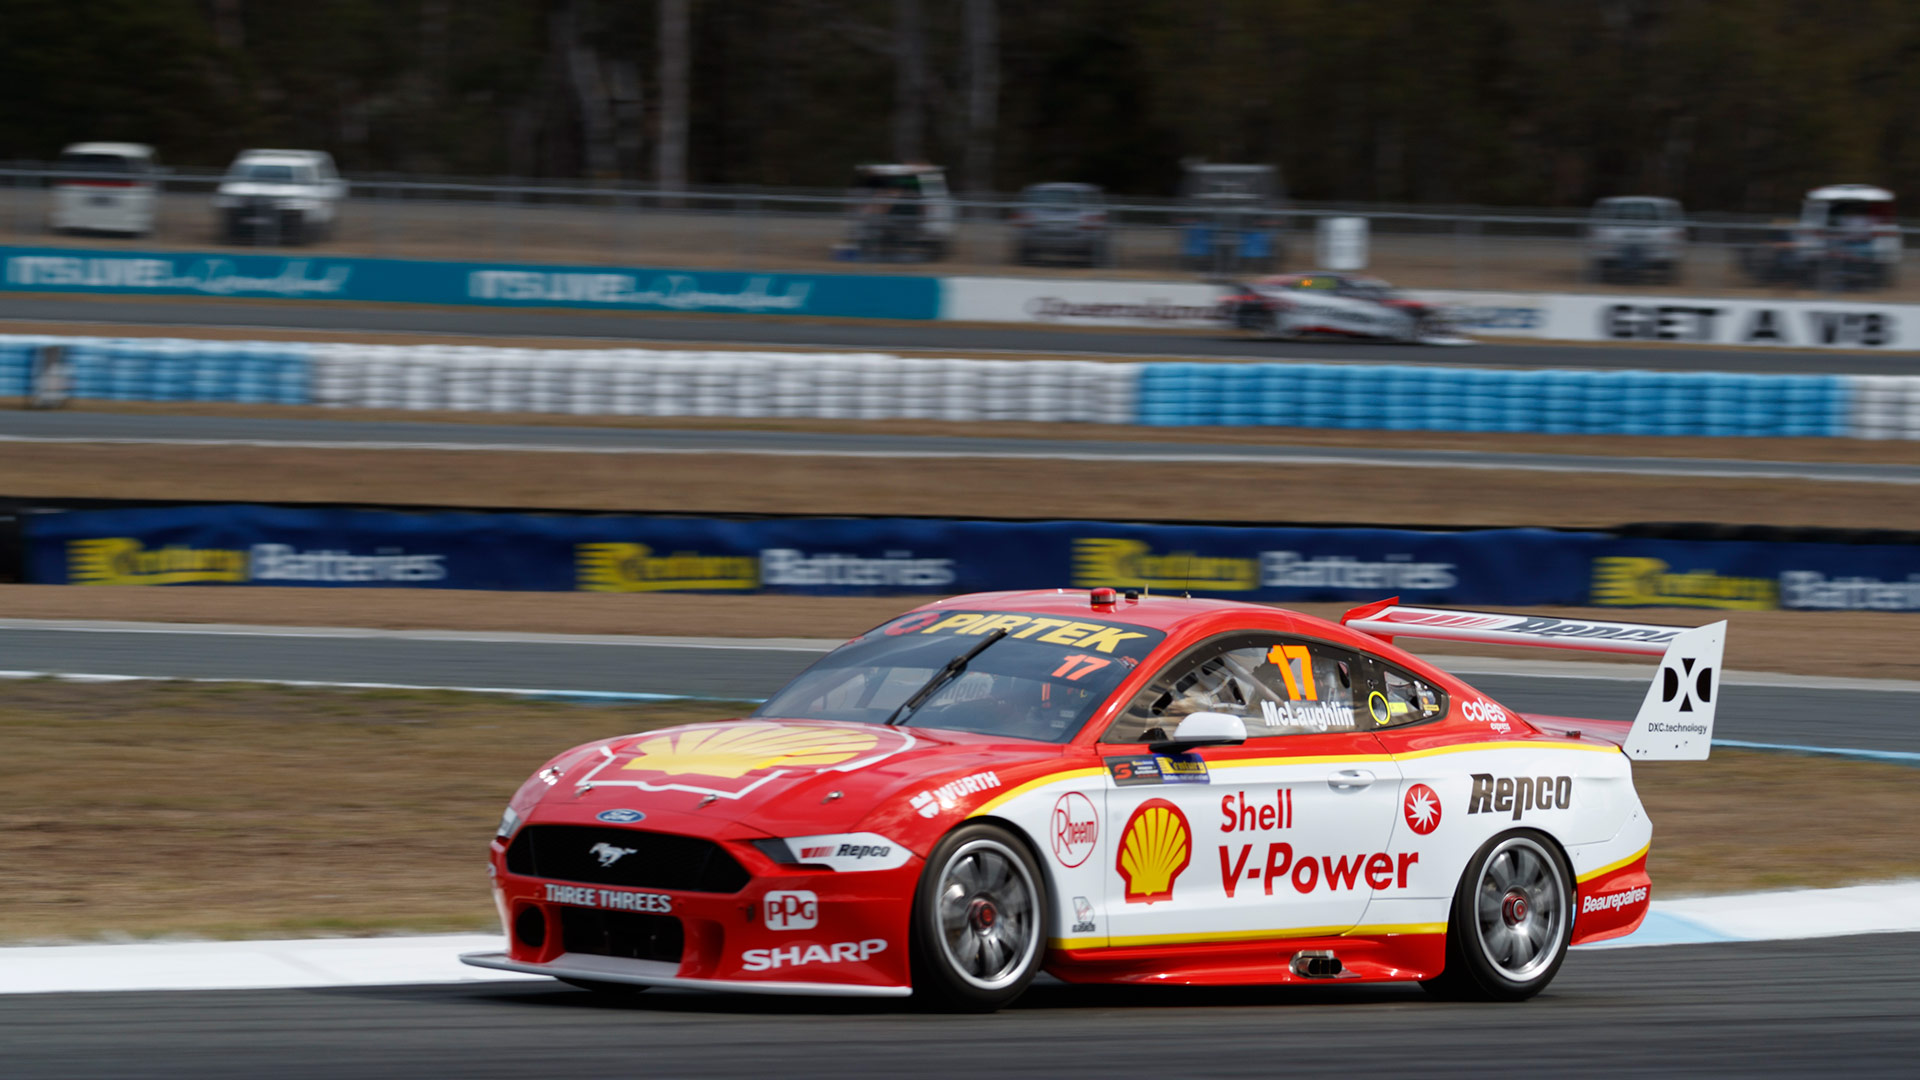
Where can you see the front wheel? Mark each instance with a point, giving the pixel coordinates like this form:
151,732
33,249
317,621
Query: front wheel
979,921
1511,920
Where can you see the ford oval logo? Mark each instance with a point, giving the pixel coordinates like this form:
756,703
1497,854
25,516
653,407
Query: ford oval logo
621,816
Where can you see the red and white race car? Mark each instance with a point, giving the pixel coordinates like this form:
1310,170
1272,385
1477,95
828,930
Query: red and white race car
1114,788
1294,306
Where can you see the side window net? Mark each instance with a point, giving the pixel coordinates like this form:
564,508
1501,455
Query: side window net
1404,699
1277,686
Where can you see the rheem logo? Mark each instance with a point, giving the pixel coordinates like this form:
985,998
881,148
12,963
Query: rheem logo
1075,827
793,910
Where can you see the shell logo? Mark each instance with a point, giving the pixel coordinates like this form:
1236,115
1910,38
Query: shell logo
1154,848
732,751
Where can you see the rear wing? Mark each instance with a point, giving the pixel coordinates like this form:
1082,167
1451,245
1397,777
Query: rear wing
1675,722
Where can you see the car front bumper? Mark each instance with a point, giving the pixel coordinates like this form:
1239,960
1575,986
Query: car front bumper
612,969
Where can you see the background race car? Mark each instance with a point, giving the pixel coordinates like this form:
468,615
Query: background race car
1300,305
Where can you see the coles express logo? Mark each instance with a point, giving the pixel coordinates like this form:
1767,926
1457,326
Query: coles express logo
1074,829
1481,711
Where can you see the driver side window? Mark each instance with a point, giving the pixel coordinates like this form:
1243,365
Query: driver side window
1277,685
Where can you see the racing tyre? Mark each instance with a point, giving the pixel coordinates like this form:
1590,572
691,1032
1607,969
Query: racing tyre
1511,920
979,921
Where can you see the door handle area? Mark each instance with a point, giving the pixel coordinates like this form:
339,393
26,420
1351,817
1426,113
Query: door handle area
1350,780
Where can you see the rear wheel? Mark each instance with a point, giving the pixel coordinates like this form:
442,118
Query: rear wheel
979,921
1511,920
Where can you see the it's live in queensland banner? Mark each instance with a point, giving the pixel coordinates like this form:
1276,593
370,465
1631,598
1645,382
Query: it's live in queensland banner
420,281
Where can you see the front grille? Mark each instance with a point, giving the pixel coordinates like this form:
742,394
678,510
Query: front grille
621,933
643,860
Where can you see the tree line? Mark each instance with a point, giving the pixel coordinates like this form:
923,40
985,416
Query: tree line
1736,105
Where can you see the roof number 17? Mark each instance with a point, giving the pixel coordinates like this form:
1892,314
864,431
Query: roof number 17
1071,670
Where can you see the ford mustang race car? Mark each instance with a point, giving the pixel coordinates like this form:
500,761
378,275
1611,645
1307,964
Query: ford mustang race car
1293,306
1112,787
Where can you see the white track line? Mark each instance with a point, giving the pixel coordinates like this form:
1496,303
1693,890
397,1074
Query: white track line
515,637
261,965
1461,665
1493,463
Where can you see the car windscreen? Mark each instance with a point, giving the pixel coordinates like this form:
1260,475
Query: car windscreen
1059,196
95,163
1042,680
1635,211
263,174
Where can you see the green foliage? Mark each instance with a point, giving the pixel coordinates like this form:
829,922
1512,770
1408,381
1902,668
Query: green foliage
1731,105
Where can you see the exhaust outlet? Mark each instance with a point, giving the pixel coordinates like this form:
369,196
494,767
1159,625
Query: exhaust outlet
1316,964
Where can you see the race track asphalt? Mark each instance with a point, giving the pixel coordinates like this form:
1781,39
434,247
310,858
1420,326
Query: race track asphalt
138,429
1826,716
1840,1006
100,315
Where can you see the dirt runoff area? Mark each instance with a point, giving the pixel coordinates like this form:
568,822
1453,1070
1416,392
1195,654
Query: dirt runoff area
1288,493
242,811
1852,643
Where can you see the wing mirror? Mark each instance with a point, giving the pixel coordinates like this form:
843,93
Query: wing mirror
1203,729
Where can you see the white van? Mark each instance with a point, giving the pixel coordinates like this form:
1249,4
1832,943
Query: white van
104,188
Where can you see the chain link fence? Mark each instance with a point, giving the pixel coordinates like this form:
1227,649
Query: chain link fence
573,223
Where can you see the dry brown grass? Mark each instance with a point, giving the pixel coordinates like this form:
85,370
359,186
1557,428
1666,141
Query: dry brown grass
723,483
152,809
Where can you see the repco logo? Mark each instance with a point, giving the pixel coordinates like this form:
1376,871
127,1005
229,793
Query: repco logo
1074,828
1508,794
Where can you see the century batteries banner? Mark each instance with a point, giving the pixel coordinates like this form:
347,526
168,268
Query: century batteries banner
421,281
260,545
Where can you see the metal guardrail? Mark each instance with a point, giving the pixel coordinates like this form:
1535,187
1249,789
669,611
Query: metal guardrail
569,222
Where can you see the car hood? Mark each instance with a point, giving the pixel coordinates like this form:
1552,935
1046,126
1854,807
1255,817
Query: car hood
784,778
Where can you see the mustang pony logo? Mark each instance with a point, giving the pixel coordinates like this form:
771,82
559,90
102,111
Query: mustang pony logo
1155,847
728,760
608,854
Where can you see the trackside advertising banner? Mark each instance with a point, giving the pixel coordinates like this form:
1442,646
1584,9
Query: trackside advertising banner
420,281
263,545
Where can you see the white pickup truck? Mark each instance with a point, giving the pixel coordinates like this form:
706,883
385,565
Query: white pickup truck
279,196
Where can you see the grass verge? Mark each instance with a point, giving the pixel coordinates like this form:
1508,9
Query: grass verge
151,809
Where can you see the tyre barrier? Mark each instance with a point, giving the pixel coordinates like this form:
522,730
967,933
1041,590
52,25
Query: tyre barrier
863,386
1422,398
166,369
